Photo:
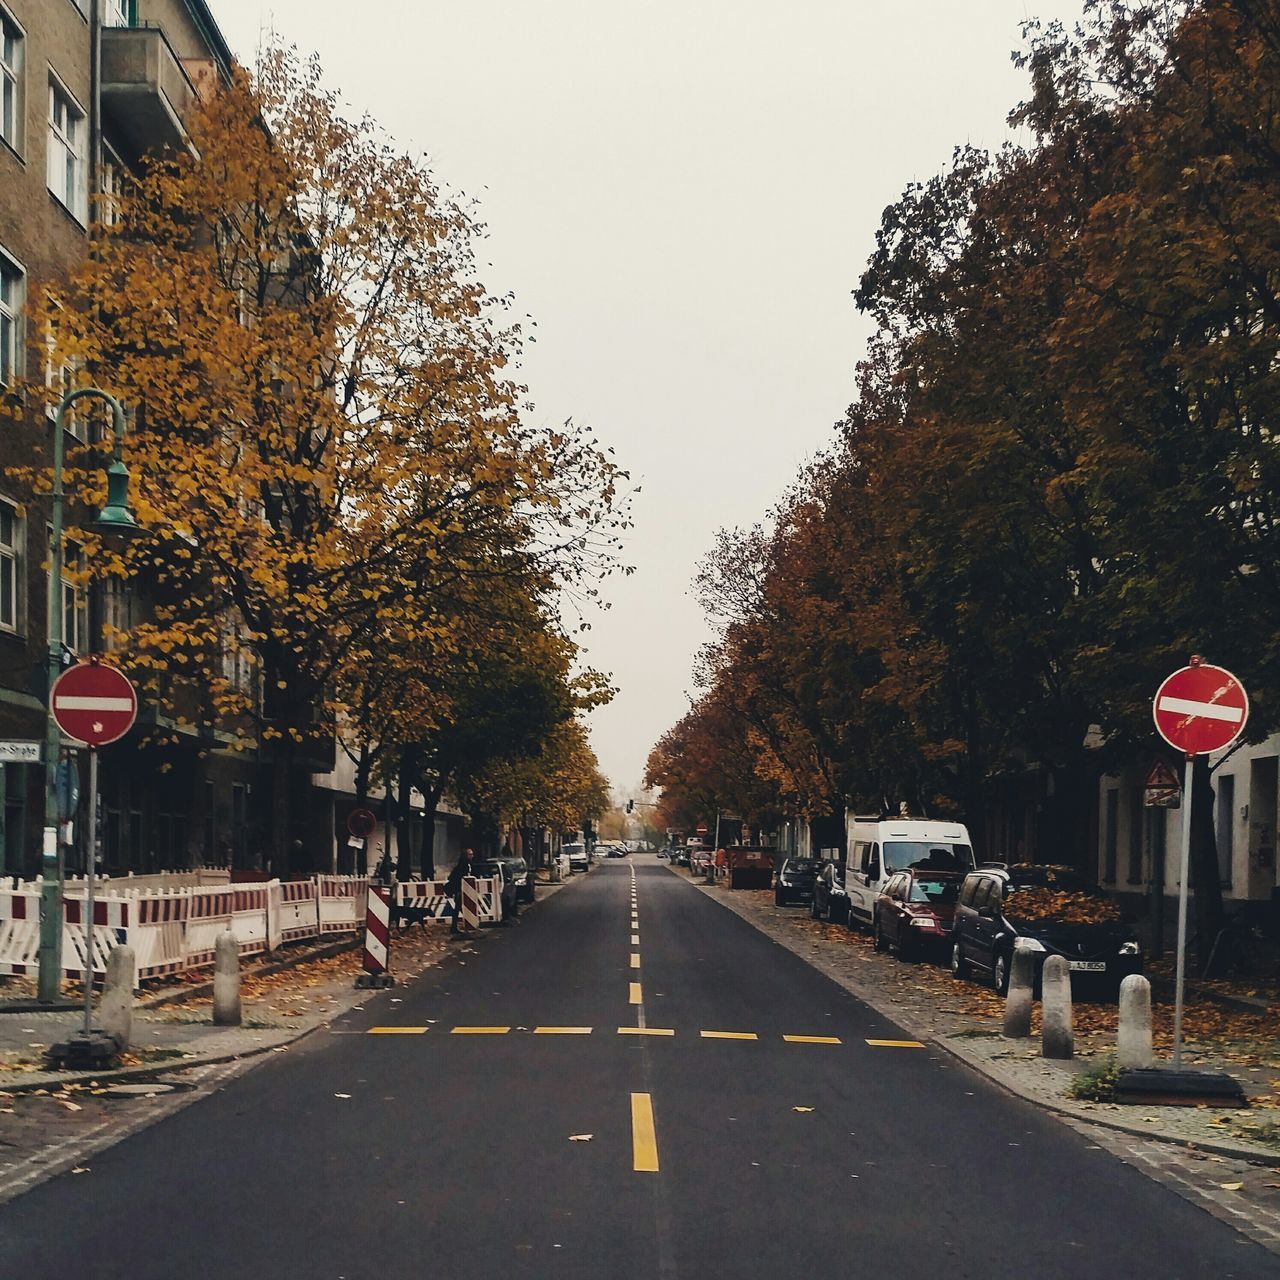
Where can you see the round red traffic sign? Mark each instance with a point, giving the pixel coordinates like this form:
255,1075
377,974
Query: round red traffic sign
1200,709
94,704
362,823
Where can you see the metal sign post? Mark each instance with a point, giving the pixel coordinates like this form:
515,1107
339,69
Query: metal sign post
91,858
1198,710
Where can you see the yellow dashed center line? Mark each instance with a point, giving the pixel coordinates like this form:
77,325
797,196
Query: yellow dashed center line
634,994
644,1138
812,1039
635,960
480,1031
729,1035
397,1031
562,1031
895,1044
646,1031
635,939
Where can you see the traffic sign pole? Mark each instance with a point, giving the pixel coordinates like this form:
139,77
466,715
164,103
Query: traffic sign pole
90,859
1182,915
1197,710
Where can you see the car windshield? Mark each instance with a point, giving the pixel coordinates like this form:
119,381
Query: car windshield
571,849
803,864
939,892
926,855
1060,879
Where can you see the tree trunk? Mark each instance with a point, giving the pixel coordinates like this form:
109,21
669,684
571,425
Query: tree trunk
404,828
281,789
432,799
1206,883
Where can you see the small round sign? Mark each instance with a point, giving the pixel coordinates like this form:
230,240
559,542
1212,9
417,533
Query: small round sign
94,704
362,823
1200,709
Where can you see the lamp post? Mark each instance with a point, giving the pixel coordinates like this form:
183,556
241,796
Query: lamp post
115,517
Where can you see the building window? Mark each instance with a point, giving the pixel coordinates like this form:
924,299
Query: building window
117,612
1225,812
12,50
11,529
75,602
1110,850
66,151
61,375
119,13
11,299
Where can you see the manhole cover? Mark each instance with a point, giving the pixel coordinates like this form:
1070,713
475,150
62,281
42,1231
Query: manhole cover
137,1090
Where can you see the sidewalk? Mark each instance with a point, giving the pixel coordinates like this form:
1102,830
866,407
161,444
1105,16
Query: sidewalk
284,996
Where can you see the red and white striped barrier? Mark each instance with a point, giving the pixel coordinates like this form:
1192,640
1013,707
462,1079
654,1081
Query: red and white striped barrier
293,911
341,903
480,902
110,928
377,939
19,931
208,916
425,899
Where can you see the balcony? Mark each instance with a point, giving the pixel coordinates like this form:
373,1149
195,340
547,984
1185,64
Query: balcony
145,91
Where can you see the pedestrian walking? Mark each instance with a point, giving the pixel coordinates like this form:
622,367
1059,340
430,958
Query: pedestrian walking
465,866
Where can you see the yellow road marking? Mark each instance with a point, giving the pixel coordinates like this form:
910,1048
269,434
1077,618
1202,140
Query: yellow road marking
635,939
635,959
646,1031
634,994
812,1039
480,1031
644,1138
562,1031
729,1035
397,1031
895,1044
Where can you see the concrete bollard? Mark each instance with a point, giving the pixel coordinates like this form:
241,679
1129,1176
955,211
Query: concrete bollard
1133,1046
226,980
1056,1040
1017,1004
115,1008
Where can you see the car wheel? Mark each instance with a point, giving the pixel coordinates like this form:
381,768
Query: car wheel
778,899
877,936
959,965
1000,974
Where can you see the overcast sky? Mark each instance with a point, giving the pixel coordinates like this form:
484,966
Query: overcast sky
682,194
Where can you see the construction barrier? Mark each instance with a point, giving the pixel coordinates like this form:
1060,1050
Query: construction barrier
19,931
341,903
294,913
422,900
376,962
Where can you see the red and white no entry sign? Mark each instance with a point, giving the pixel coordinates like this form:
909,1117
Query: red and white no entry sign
1200,709
94,704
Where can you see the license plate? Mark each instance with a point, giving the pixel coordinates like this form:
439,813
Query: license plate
1088,966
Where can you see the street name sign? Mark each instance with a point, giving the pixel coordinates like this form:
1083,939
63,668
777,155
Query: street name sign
21,752
94,704
1200,709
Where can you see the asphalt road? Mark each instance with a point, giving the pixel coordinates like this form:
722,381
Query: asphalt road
431,1133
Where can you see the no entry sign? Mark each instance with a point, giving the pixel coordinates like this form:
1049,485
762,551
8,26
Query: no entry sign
94,704
1200,709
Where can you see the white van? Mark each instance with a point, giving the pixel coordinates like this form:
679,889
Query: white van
877,849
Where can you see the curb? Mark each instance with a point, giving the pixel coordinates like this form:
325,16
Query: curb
980,1067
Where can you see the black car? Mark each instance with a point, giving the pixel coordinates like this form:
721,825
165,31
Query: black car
830,901
1056,912
516,870
794,881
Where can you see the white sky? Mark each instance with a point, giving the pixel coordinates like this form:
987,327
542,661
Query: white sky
682,194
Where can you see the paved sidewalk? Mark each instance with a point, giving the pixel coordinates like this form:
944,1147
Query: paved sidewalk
1227,1162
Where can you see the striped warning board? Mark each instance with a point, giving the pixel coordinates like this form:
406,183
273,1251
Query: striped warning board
377,939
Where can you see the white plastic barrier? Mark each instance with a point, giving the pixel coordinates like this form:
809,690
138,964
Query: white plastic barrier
19,931
158,932
249,917
110,928
208,915
342,902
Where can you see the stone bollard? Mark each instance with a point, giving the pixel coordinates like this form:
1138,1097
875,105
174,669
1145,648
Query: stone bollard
226,980
554,869
1022,981
1055,1012
115,1008
1133,1046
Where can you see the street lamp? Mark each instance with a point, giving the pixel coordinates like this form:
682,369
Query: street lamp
116,518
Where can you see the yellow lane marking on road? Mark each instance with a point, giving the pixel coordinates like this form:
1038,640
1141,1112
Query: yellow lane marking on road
646,1031
812,1039
634,994
635,939
480,1031
644,1138
635,959
729,1035
397,1031
562,1031
895,1044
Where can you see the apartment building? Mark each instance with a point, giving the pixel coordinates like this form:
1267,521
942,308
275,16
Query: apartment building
171,798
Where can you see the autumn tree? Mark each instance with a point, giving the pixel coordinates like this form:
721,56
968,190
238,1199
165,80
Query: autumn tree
327,439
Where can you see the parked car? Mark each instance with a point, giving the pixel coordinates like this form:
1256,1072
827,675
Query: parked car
794,881
617,851
680,857
697,860
577,855
878,849
1056,912
516,870
915,911
830,901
